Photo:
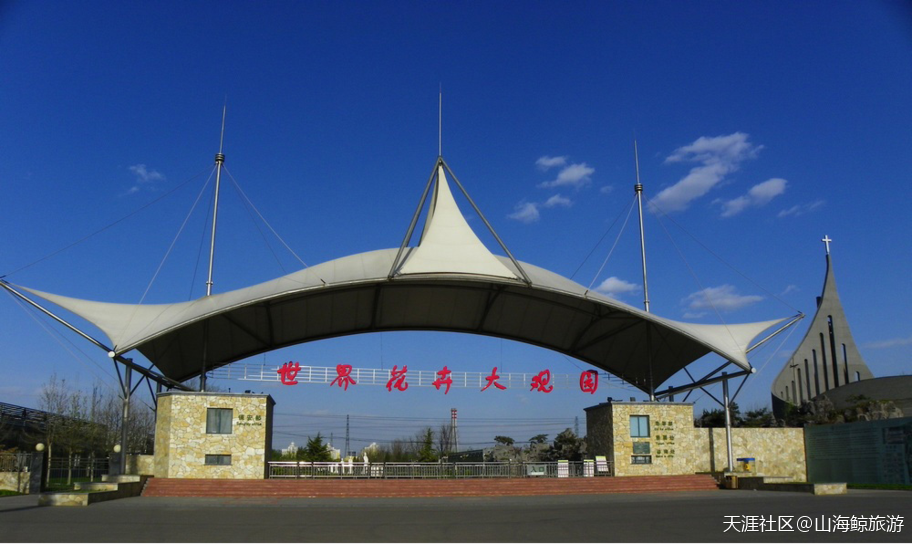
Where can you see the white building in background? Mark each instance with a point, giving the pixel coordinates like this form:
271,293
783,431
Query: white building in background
370,450
334,453
290,450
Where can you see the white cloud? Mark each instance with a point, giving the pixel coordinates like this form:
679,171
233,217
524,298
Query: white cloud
144,175
615,286
762,193
789,289
801,209
574,175
758,195
530,212
724,298
733,148
718,156
892,343
607,189
144,178
546,162
558,200
526,212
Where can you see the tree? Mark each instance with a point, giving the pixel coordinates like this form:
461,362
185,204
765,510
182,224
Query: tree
90,423
444,439
821,411
6,434
65,424
566,446
538,439
140,428
315,450
419,447
505,440
716,417
759,417
211,387
425,442
398,450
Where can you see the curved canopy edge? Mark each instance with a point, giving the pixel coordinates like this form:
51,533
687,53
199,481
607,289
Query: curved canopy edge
353,295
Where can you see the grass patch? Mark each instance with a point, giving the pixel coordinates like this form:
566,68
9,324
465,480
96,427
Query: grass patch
895,487
60,485
8,493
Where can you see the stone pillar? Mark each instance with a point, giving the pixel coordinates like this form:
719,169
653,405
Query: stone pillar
37,465
213,435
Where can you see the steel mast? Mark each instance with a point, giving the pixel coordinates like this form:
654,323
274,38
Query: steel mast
219,161
638,189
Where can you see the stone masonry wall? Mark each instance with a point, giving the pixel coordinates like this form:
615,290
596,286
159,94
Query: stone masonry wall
670,445
15,481
141,464
778,451
599,434
676,447
181,441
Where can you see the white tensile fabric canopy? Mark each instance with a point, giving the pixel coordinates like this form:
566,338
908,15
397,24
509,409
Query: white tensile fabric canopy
449,282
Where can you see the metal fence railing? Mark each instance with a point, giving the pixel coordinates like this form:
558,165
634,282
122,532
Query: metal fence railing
63,472
561,469
15,462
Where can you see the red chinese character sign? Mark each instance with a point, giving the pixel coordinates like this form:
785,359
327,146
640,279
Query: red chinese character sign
443,378
288,372
541,382
397,379
343,377
492,380
589,381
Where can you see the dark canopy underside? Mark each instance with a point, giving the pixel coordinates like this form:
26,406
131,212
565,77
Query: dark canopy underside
606,338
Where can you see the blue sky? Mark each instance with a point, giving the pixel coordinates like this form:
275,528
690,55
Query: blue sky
761,127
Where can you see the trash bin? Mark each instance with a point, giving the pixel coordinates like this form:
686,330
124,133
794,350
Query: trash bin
747,464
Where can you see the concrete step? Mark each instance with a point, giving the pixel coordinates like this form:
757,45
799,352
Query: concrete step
121,478
170,487
95,486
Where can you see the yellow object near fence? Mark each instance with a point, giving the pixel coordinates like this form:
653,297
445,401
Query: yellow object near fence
748,464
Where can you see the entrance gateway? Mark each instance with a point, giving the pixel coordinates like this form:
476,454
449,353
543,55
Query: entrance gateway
449,281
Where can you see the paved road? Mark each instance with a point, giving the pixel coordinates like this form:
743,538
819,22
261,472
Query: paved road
665,517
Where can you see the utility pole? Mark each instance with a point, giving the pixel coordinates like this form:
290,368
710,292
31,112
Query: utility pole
453,430
347,438
726,404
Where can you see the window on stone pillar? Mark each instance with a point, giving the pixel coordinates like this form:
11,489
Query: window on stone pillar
218,420
639,426
218,459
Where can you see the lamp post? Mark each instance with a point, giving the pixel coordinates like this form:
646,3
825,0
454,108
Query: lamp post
118,461
37,466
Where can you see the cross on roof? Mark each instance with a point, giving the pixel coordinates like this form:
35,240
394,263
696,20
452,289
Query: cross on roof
826,240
